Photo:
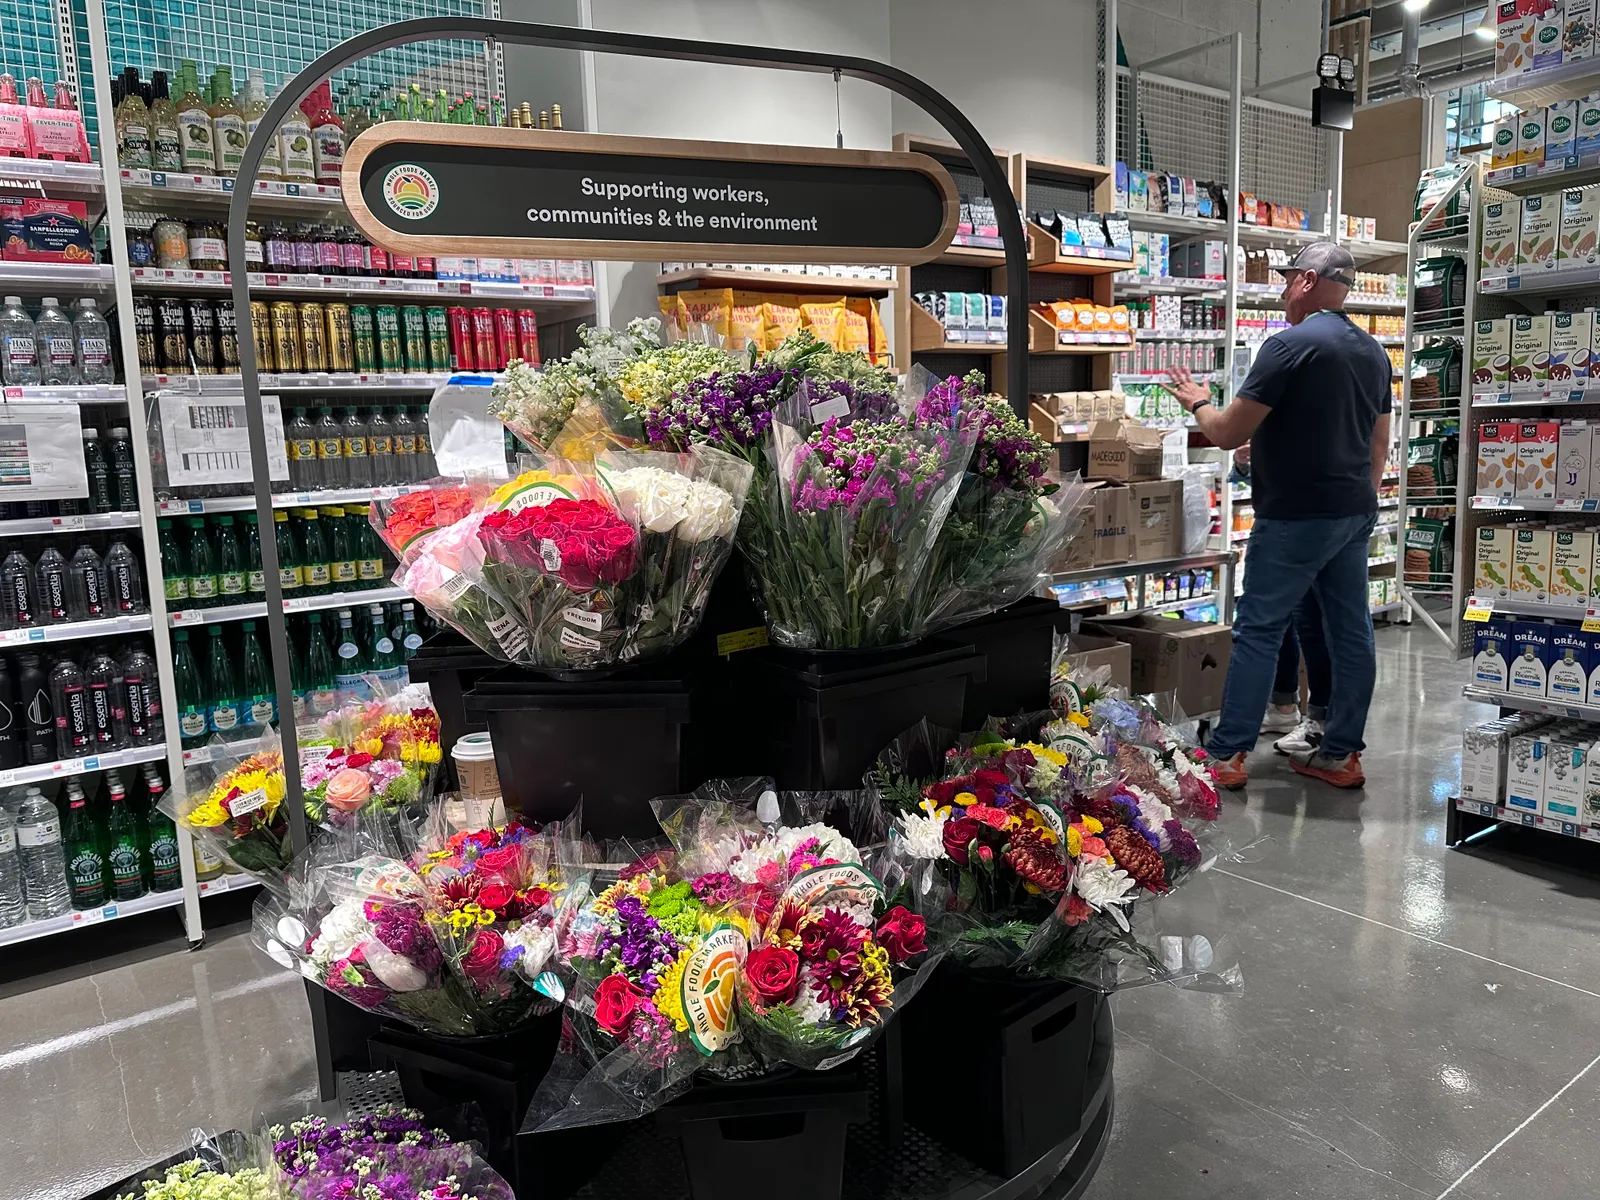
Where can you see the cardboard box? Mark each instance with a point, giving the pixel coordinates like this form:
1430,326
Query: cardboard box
1541,228
1567,677
1491,353
1491,650
1113,539
1188,657
1156,528
1528,671
1573,458
1078,553
1491,563
1525,773
1123,451
1085,652
1571,342
1580,228
1530,564
1497,460
1537,445
1530,349
36,230
1571,566
1561,130
1502,226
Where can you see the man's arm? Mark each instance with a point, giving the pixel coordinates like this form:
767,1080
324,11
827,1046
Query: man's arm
1228,428
1380,449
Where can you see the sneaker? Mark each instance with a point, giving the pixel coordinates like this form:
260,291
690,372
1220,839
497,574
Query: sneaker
1306,736
1341,772
1230,772
1280,718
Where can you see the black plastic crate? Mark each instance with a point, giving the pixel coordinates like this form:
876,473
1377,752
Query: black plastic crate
1016,641
1020,1073
614,742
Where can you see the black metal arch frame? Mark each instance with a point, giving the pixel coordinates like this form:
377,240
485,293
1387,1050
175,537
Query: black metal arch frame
566,38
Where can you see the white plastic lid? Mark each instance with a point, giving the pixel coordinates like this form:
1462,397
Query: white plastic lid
89,432
86,302
121,431
473,747
13,301
50,302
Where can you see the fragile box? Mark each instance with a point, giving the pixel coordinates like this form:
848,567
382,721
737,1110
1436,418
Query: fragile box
1189,658
1123,451
1113,542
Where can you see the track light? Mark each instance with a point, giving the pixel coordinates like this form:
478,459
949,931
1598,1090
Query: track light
1487,29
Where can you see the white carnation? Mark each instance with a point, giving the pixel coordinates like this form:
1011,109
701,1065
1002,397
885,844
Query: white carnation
924,836
709,513
341,931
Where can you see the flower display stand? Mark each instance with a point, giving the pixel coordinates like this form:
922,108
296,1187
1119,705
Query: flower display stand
451,666
1016,641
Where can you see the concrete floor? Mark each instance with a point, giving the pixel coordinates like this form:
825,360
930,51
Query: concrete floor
1415,1022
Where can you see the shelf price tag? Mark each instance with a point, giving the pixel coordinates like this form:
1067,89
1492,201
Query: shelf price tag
93,916
1478,609
1591,621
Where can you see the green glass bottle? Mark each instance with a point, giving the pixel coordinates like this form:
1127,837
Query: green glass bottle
202,565
293,636
255,579
349,665
222,701
290,576
368,549
231,574
383,656
161,858
86,864
322,694
123,845
341,555
174,565
315,565
193,691
258,703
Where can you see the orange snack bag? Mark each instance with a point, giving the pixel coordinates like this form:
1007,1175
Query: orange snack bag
856,329
780,314
825,318
711,307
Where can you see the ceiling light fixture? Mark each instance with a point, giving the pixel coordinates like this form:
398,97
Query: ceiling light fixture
1414,5
1486,28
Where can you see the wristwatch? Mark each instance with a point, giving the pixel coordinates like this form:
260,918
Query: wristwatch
1197,405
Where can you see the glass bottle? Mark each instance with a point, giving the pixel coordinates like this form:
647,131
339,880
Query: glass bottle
13,899
124,845
19,596
19,347
255,246
124,580
39,721
208,245
108,703
161,855
222,705
227,123
166,135
404,462
202,565
54,592
304,472
69,700
322,695
133,123
253,106
174,565
279,248
369,549
291,575
353,250
58,358
317,573
143,697
426,467
294,142
194,124
341,555
231,576
410,638
327,133
86,591
348,666
193,691
380,448
383,657
101,493
258,702
330,254
331,451
44,865
86,863
355,447
124,484
255,578
11,727
305,249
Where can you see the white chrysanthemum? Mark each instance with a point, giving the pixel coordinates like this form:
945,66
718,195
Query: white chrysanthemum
924,836
1154,814
1102,885
1045,775
709,513
808,1008
341,931
538,944
746,866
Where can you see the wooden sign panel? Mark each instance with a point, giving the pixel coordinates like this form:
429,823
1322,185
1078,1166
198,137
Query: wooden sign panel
422,188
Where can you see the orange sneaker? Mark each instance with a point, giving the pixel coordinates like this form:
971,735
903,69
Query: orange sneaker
1230,772
1341,772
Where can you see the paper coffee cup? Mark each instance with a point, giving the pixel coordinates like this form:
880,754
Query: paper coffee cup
480,779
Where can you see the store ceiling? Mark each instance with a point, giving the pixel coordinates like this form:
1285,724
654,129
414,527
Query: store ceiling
1451,54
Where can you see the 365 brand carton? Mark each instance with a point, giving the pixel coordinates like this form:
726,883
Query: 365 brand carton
1491,353
1567,678
1541,228
1530,349
1564,777
1497,460
1573,458
1527,672
1525,772
1571,566
1530,563
1513,44
1502,226
1561,130
1571,339
1537,446
1580,227
1491,563
1491,652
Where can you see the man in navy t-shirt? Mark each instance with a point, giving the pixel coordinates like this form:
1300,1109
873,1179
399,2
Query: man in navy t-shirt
1315,410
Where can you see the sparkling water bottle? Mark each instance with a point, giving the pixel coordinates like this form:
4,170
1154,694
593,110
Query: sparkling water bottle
44,863
93,342
56,345
13,901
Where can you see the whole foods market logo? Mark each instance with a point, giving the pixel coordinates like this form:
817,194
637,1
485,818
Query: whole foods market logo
410,191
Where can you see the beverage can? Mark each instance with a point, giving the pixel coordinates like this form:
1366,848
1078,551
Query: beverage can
202,336
484,349
415,328
528,336
144,331
174,333
341,338
362,341
388,338
261,333
313,337
227,338
505,336
438,326
461,341
286,336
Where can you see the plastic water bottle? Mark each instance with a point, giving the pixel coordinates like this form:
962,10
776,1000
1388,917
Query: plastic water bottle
55,605
13,901
44,863
18,596
123,486
124,581
92,336
19,347
56,342
86,585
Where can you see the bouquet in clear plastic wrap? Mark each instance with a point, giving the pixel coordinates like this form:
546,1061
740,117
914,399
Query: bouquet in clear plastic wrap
234,804
391,1154
376,754
404,520
437,578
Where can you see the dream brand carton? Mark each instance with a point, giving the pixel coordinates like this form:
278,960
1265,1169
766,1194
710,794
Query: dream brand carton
1527,672
1491,651
1568,676
1573,458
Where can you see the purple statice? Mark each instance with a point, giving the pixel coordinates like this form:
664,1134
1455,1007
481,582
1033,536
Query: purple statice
729,410
1006,452
638,941
401,928
1184,847
851,465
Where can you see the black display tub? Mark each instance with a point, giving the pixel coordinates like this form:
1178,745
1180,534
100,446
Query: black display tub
1017,641
451,666
614,742
817,721
1020,1073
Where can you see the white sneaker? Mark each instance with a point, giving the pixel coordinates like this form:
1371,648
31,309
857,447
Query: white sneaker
1280,718
1306,737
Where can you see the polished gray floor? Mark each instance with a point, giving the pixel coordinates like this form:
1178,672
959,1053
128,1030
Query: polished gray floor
1415,1022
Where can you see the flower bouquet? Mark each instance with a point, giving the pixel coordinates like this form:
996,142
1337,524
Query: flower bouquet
402,522
234,804
436,577
197,1179
391,1154
381,754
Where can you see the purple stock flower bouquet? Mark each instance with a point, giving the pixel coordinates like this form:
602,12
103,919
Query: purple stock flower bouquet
389,1155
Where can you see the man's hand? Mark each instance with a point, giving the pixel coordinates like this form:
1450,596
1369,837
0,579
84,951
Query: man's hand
1184,388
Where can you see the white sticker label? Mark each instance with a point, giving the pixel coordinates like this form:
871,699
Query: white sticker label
248,803
8,841
315,753
584,619
578,641
508,631
45,833
827,410
551,555
456,587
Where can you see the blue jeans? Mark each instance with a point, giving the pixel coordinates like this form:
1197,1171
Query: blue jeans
1304,637
1286,560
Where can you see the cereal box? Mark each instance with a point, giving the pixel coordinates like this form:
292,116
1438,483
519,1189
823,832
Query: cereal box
1530,564
1561,130
1580,225
1536,460
1502,225
1541,228
1571,561
1547,34
1497,460
1491,563
1513,36
1571,335
1491,353
1530,349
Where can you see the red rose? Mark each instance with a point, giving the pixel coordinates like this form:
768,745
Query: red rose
900,932
536,898
958,835
493,862
941,793
774,974
993,779
483,958
495,896
614,1003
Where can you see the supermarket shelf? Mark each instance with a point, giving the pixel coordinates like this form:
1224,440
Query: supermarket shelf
361,287
1045,254
1444,326
149,902
46,177
240,748
227,882
319,382
1271,294
72,631
72,393
779,281
1367,249
1199,377
973,253
27,526
219,504
1579,391
1574,170
1380,562
1151,566
1084,343
1565,81
1539,704
1515,816
1543,280
1532,505
71,278
1167,285
1434,414
1390,607
1518,606
185,618
1179,605
1180,335
1385,339
162,191
1238,535
1430,501
64,768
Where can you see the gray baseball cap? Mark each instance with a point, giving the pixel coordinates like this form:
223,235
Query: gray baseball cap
1328,259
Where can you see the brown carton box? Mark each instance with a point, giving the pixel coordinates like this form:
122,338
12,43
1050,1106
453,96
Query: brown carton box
1186,657
1123,451
1085,653
1078,553
1113,508
1156,528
